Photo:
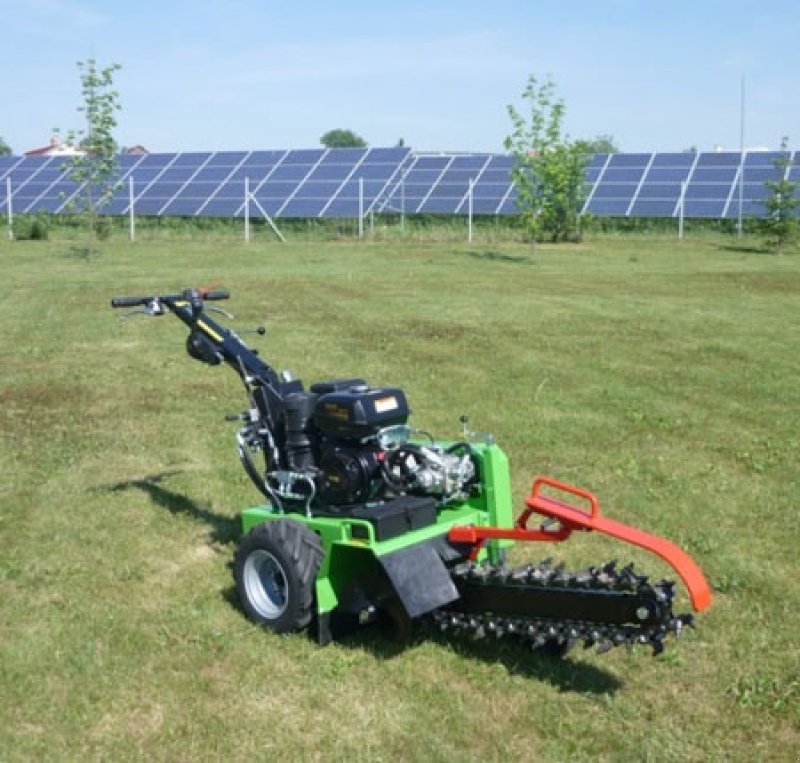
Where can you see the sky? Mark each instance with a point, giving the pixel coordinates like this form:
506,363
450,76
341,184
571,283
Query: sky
655,75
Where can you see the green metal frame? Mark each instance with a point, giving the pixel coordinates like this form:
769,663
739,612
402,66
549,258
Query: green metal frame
350,545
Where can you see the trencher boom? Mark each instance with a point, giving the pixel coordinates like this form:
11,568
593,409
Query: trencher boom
365,518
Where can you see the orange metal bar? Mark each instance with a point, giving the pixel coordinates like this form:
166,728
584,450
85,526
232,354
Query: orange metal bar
578,519
571,518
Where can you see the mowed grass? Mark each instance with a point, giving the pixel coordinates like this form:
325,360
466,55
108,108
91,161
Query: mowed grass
662,376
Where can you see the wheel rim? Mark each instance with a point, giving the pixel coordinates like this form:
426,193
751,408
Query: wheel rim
265,584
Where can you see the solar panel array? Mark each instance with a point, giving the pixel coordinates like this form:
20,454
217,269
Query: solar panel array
346,182
704,184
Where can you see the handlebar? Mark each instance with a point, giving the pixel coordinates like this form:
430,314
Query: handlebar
205,294
215,295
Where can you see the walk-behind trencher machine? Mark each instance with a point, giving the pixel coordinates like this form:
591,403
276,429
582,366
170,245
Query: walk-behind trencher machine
365,518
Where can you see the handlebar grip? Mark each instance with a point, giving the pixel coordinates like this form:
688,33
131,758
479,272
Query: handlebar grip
129,301
216,294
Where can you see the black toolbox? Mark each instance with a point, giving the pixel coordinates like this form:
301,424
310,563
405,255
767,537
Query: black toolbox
399,515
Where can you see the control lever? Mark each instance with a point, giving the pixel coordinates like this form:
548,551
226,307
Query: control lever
260,330
215,309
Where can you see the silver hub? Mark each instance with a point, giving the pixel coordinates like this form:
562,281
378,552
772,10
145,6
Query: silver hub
265,584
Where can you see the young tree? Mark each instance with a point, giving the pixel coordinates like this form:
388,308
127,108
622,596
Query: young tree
781,225
94,168
5,149
602,144
549,169
340,138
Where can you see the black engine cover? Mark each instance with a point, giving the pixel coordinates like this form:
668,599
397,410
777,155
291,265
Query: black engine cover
348,475
358,412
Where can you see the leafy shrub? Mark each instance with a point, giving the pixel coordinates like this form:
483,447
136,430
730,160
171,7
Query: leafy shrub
31,229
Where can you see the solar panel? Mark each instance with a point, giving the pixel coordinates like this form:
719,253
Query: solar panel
750,208
704,208
192,159
374,171
486,206
761,174
330,172
685,159
286,171
708,191
221,207
660,191
432,162
764,158
182,207
443,206
157,160
325,182
342,207
304,156
317,189
273,189
720,159
629,160
177,173
347,156
475,162
666,174
653,207
609,207
227,158
714,174
213,173
388,155
623,174
598,161
615,191
462,176
301,208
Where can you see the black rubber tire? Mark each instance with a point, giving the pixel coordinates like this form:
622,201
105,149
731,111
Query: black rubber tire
276,567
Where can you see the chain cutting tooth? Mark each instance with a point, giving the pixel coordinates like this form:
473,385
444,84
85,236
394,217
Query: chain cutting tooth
522,574
605,646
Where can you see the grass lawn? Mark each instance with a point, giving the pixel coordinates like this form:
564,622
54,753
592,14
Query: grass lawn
663,376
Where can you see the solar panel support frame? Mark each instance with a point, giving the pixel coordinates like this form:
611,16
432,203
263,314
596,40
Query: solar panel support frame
469,208
684,185
250,197
10,210
131,212
679,205
246,209
361,207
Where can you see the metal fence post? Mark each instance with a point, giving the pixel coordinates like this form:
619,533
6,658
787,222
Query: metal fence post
10,210
131,212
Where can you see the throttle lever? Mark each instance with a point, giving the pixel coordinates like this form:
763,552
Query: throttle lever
260,330
250,415
152,309
215,309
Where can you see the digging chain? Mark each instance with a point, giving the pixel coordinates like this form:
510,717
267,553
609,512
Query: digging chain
652,622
